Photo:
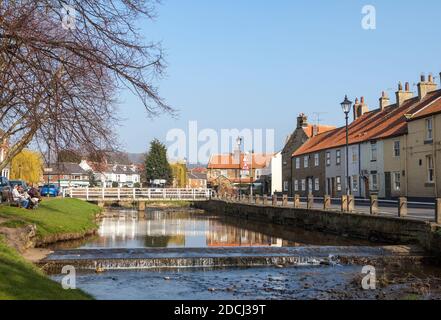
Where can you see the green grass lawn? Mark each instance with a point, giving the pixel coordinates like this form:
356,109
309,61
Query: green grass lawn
54,217
21,280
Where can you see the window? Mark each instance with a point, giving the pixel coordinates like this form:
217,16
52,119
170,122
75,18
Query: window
297,163
316,159
224,173
317,184
285,186
328,158
397,181
296,185
303,185
354,155
374,181
310,185
355,183
338,181
338,157
430,172
374,154
306,161
397,150
429,129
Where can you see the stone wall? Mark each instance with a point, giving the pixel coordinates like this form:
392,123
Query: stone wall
358,226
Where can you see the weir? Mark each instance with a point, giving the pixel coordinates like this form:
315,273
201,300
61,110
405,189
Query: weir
140,259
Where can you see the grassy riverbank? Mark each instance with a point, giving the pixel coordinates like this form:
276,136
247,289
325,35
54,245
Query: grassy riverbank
55,220
21,280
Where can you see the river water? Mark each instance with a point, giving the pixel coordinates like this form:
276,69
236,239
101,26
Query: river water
178,229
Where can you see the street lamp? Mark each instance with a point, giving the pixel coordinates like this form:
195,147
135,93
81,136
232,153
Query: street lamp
239,144
346,107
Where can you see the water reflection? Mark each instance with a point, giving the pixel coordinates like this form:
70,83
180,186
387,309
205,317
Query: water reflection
164,229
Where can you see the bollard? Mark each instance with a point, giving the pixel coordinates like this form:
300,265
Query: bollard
374,205
251,199
285,200
327,202
344,203
296,201
265,199
402,207
438,211
351,203
310,202
274,200
258,199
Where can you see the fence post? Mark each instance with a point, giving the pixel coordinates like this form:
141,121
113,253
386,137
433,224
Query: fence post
258,199
402,207
310,201
134,194
119,194
438,211
149,194
265,199
102,194
274,200
351,203
87,193
344,203
251,198
374,205
326,202
285,200
296,201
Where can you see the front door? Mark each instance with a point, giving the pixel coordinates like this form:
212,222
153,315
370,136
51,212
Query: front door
388,185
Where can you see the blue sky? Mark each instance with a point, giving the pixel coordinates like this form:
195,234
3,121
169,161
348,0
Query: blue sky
258,64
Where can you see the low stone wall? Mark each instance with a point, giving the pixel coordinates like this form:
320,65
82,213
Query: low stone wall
358,226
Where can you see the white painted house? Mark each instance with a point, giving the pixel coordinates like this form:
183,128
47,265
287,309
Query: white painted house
108,175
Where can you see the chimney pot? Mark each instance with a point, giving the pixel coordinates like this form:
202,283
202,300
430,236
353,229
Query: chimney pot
430,78
423,77
362,100
400,86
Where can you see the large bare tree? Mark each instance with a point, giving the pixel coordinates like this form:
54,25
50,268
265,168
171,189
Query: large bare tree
62,63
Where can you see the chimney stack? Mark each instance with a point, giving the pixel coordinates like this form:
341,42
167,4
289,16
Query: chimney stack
403,95
384,100
360,108
302,121
424,87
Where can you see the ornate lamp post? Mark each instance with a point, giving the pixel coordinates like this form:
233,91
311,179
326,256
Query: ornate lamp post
346,107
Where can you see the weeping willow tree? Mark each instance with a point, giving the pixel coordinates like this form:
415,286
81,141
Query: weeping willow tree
27,166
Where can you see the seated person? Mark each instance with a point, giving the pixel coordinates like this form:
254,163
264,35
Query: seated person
19,198
34,196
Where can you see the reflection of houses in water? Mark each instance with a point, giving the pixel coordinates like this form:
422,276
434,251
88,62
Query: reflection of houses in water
177,230
223,235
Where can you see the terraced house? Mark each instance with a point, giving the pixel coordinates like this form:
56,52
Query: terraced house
392,149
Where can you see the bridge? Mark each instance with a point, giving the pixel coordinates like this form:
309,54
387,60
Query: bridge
137,194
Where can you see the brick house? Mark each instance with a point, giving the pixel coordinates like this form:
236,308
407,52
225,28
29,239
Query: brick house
301,134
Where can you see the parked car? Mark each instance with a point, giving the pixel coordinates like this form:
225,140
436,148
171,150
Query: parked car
19,183
49,190
5,188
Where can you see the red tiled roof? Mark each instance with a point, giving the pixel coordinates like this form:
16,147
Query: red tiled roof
309,130
227,161
430,109
373,125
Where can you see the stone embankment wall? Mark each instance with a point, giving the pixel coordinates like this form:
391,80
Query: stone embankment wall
358,226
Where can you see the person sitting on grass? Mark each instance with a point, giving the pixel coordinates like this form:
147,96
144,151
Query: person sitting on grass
19,198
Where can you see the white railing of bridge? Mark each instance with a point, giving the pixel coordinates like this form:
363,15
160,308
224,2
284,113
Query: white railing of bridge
136,194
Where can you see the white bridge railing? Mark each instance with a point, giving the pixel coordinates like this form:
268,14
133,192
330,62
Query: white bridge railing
136,194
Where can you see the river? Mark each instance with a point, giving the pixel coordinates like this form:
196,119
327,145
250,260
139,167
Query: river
192,232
